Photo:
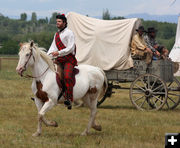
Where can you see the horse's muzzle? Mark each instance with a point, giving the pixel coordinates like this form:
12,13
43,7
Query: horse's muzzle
20,71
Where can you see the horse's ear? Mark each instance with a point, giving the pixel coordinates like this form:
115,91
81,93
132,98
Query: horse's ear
20,44
32,43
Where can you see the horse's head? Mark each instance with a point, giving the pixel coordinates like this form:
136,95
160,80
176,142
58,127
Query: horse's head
26,57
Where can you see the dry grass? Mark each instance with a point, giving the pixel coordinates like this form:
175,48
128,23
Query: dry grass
123,125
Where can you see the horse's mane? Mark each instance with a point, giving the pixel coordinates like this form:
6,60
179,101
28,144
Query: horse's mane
41,52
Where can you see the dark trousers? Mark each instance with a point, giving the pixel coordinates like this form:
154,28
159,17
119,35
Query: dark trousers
68,80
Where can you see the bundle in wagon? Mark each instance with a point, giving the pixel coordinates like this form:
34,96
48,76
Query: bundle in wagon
106,44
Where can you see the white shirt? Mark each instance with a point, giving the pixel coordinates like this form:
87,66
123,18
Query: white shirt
67,38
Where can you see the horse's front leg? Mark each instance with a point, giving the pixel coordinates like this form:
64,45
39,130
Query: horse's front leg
46,107
39,105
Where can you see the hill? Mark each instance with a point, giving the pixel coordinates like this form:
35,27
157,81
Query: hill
159,18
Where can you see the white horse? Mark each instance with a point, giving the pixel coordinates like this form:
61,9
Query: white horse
90,84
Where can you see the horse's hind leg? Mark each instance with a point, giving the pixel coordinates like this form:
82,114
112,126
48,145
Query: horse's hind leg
94,125
91,102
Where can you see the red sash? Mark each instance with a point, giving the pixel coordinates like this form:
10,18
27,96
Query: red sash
70,57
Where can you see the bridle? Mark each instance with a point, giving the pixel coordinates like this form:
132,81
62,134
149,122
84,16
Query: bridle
30,54
24,67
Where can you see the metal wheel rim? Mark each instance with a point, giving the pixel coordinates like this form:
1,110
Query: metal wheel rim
173,98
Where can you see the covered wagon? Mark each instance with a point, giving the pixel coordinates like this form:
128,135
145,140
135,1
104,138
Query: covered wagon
106,44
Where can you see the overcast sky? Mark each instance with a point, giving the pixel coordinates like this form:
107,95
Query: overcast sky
45,8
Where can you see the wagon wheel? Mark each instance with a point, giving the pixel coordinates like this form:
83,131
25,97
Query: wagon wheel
173,98
108,93
148,92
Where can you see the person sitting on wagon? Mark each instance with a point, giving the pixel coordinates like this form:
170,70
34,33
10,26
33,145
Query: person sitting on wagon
138,46
158,50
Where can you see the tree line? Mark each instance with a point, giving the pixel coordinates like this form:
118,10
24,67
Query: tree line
14,31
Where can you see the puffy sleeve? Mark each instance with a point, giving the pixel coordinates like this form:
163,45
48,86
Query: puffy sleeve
70,44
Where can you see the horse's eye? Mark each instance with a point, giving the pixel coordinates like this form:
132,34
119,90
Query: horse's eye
27,54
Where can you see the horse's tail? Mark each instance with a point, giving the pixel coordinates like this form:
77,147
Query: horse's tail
105,85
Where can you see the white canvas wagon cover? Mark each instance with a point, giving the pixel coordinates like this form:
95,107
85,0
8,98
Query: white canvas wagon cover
175,51
103,43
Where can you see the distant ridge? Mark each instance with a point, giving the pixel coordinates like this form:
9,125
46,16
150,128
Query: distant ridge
159,18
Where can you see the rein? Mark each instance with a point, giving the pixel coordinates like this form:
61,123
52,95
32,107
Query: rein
29,76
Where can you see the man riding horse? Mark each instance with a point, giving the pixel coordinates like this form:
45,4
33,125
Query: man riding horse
63,47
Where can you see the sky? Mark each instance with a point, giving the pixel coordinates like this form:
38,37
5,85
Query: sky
45,8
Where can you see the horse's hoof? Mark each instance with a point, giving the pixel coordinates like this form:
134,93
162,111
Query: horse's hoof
84,134
55,124
97,127
36,134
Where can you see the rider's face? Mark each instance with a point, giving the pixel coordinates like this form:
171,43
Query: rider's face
60,24
140,32
153,34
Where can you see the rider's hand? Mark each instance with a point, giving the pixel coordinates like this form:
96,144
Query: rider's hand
149,50
55,53
155,46
157,53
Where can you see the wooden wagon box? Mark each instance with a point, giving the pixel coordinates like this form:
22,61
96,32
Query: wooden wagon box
163,69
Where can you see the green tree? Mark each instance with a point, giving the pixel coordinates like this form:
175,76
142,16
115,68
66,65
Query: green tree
34,17
118,18
106,15
9,47
42,21
23,17
46,19
53,18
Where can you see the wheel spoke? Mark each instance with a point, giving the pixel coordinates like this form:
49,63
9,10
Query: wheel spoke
142,103
172,100
158,87
148,82
159,93
157,98
137,92
154,103
139,87
153,83
167,104
169,84
174,94
144,84
139,98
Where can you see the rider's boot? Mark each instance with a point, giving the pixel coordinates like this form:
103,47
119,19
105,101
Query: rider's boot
68,103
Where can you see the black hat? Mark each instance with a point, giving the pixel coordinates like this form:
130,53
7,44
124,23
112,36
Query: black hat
151,29
141,28
61,16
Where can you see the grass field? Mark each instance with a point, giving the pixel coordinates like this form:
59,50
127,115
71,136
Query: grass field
123,126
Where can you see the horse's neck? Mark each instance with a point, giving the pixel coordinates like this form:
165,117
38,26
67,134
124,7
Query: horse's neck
40,68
